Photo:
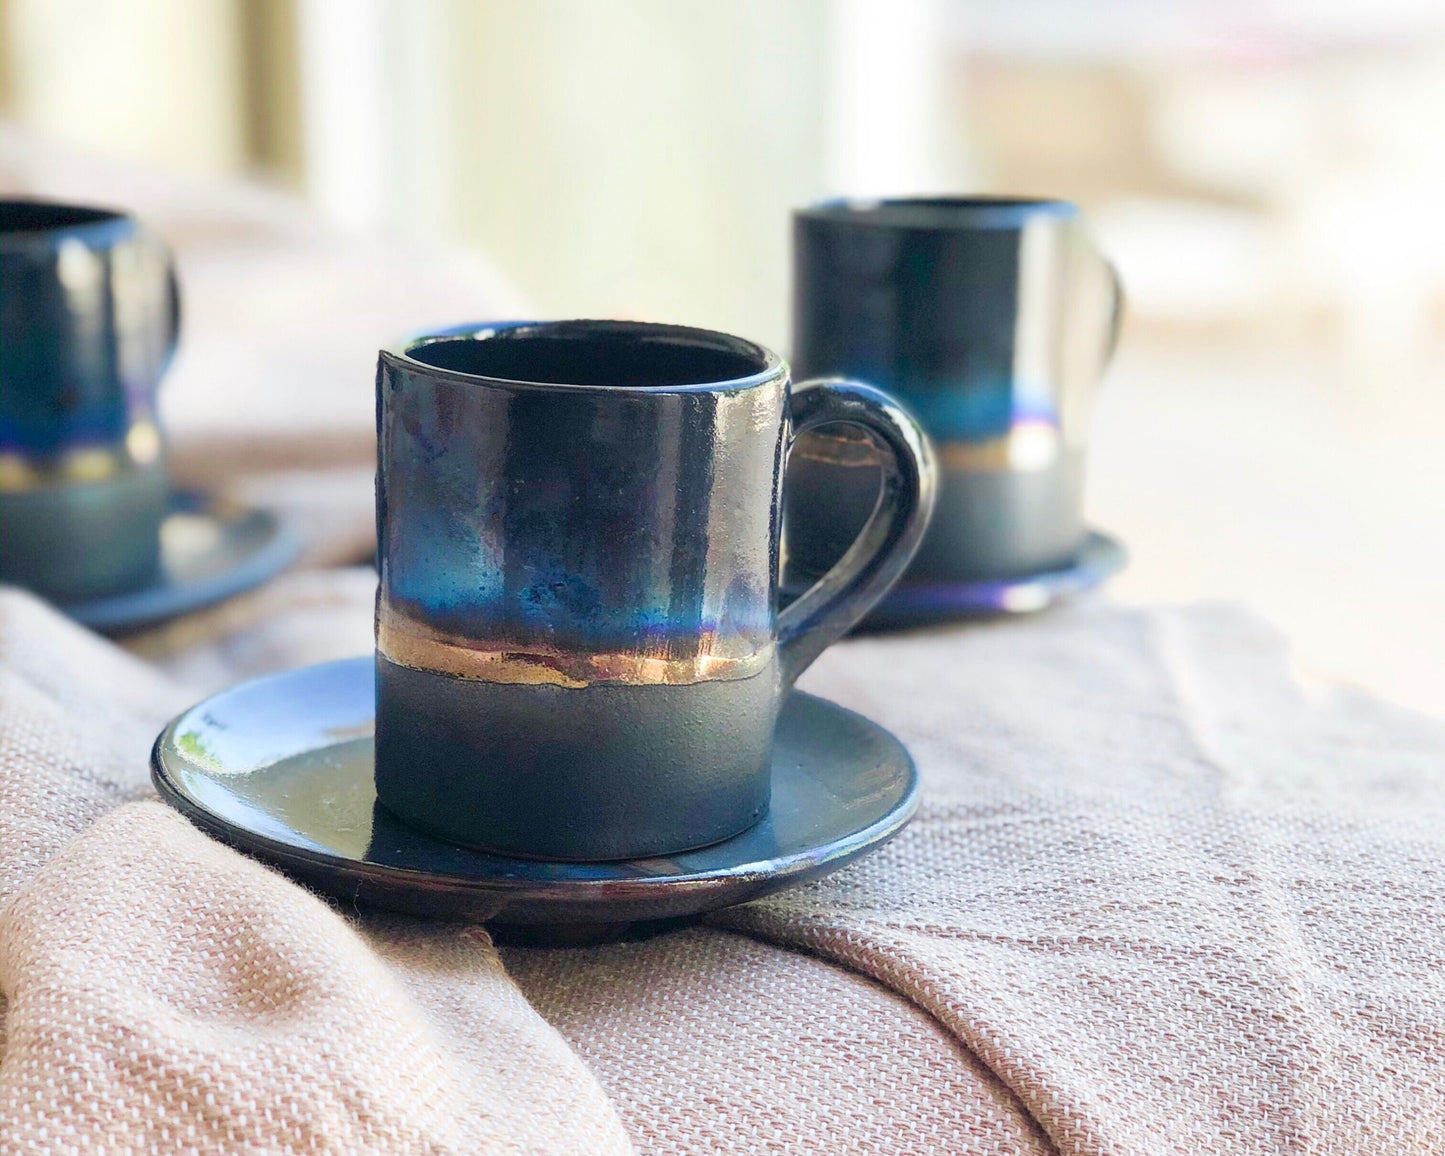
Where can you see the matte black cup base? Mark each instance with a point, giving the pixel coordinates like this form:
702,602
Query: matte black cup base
988,525
999,524
283,768
76,540
608,771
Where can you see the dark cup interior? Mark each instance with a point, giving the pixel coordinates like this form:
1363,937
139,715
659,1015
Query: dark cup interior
42,216
598,354
940,212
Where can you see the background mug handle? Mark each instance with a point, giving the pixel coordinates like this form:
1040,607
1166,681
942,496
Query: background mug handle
172,304
837,601
1116,312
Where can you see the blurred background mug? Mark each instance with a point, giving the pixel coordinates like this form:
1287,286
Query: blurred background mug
579,653
992,320
89,315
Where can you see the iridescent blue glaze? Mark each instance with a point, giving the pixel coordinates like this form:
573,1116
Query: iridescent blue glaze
89,313
578,649
991,319
576,520
88,321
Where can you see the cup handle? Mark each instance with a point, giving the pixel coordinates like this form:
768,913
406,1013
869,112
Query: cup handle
840,598
173,308
1116,314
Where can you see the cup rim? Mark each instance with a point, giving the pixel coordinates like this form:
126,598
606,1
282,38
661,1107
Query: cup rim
772,366
96,225
988,211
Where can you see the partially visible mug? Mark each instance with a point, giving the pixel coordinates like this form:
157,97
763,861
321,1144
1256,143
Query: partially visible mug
992,320
578,648
89,314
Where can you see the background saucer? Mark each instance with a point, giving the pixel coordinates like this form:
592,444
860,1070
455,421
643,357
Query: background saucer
281,768
912,604
210,550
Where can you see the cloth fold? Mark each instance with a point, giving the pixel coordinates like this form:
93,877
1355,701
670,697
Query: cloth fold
1174,902
709,1041
166,994
1159,898
163,993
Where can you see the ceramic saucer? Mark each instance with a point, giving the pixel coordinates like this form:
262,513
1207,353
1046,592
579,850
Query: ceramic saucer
928,603
281,768
210,550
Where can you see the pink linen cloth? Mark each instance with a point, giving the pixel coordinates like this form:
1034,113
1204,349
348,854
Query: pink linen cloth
1160,898
164,994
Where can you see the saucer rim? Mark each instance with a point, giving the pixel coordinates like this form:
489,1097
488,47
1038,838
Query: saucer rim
1110,556
328,871
163,600
904,606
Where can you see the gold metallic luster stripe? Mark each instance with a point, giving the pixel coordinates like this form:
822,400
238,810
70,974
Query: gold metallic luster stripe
1029,446
837,449
140,447
405,641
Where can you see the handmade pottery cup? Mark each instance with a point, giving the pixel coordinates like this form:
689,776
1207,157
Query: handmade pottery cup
579,653
992,320
89,314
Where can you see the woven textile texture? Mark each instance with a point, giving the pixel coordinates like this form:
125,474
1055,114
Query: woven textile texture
164,994
1165,900
1173,900
709,1041
1161,898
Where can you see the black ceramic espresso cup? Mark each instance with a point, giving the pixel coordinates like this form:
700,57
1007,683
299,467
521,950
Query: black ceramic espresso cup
578,648
992,320
89,313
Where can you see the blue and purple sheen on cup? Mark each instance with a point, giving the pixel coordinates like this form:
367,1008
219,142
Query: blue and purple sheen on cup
89,316
578,649
991,319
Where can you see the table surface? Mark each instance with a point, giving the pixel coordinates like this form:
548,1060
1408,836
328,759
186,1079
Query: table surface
1283,479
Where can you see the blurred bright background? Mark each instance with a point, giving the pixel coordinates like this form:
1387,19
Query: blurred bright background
1269,177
